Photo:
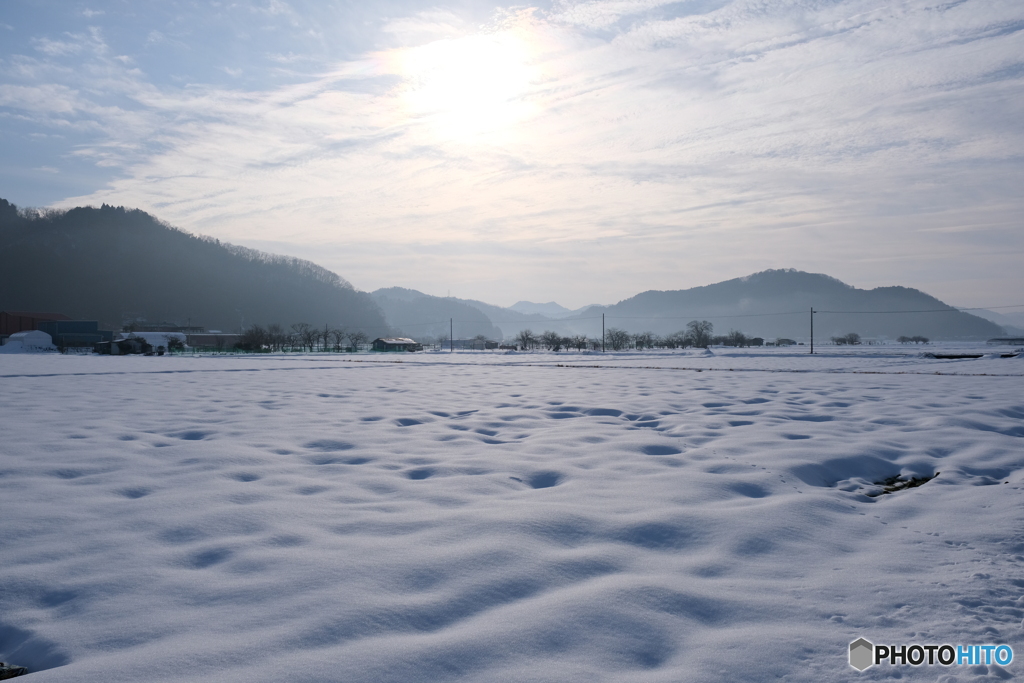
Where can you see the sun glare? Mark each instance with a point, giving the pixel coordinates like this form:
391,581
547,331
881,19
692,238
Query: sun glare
469,86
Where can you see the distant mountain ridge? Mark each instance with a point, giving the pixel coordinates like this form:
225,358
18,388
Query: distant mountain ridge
550,309
416,314
104,263
777,303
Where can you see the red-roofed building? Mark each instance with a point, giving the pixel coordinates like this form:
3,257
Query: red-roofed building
23,321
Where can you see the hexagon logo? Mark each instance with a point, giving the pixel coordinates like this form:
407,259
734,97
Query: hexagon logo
862,654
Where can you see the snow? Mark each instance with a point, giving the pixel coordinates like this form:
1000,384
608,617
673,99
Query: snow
662,516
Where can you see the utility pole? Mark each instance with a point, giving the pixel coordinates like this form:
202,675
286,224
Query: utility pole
812,329
451,333
602,333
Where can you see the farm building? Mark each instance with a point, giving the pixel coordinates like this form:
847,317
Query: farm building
75,333
24,321
31,340
395,344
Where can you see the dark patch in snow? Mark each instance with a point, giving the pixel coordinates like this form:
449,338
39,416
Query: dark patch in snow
749,490
135,492
337,460
192,435
657,449
182,535
207,558
655,536
329,445
67,473
899,483
544,480
604,412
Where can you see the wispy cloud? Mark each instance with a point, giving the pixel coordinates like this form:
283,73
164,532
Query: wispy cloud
685,141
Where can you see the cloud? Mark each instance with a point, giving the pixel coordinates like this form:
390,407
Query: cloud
687,142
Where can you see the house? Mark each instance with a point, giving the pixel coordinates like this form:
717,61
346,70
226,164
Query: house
395,344
125,346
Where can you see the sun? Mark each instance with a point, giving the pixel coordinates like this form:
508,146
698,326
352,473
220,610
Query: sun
468,87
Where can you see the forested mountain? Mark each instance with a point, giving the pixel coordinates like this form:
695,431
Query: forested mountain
111,264
777,303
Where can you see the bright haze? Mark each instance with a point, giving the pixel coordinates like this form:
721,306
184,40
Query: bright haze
575,151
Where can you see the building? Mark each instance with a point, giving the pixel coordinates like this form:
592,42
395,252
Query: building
166,327
395,344
75,333
214,341
24,321
474,344
125,346
31,340
1007,341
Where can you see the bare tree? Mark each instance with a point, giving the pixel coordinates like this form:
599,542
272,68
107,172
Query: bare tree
617,338
851,338
643,340
699,332
254,338
578,342
338,336
525,339
276,336
300,333
552,340
736,338
917,339
677,340
357,338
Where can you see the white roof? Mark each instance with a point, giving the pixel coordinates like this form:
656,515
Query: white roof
32,338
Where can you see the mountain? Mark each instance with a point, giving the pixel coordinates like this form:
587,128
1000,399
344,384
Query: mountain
777,303
1012,323
550,309
420,315
109,264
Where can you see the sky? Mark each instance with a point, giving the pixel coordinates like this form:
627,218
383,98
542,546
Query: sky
580,152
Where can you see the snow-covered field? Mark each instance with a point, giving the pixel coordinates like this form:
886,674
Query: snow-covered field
492,517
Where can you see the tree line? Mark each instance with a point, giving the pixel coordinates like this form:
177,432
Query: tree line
300,337
698,334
